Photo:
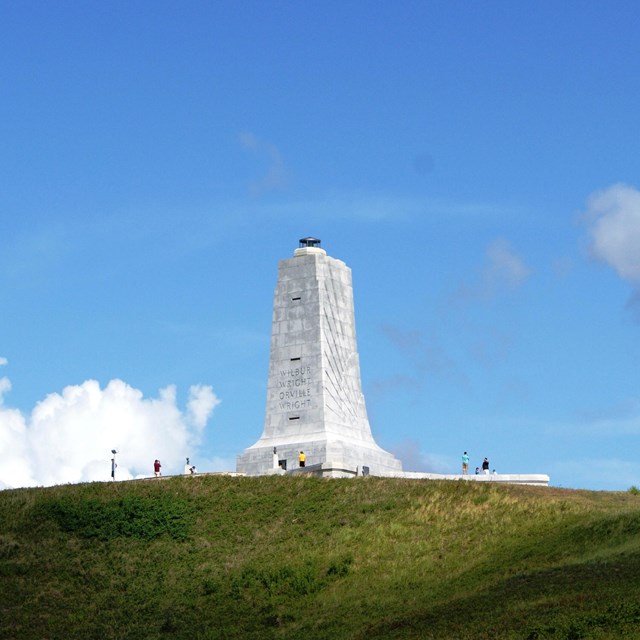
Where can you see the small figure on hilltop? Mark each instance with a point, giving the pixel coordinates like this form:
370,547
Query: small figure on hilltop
485,466
156,468
465,463
187,468
477,471
302,459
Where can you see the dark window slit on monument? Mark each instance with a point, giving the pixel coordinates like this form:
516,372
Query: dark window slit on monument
294,418
292,359
294,299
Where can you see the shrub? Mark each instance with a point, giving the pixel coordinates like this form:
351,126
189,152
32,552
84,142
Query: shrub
129,517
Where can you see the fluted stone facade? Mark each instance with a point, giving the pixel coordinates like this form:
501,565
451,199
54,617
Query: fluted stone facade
315,402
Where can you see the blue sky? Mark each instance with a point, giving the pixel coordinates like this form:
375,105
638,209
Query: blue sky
475,163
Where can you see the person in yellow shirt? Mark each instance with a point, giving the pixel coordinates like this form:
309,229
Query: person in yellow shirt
302,458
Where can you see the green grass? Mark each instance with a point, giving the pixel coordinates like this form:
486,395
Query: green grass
277,557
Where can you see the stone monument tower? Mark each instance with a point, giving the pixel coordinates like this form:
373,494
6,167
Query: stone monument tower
315,403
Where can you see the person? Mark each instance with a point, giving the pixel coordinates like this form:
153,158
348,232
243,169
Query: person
485,466
477,471
302,458
465,464
156,468
187,468
193,469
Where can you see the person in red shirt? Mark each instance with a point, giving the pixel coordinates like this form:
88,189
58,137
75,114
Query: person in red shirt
156,468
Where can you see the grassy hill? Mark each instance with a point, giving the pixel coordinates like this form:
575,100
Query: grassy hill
281,557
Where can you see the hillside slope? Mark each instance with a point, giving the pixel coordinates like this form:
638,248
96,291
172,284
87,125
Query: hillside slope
224,557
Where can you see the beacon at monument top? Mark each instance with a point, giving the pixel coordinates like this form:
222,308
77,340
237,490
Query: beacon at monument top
315,403
307,246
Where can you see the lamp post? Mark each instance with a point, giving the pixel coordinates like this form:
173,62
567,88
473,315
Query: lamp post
113,464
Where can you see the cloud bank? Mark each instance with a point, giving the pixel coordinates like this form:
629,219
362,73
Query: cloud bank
68,437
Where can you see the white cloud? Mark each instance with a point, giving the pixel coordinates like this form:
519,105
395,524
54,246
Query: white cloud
276,176
3,361
414,459
613,218
202,401
369,207
15,469
69,436
503,270
5,385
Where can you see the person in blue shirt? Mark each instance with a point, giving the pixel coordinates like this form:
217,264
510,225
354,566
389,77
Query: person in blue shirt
465,463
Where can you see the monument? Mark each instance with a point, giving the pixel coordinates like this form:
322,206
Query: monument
315,418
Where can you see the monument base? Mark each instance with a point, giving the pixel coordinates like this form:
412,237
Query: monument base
536,479
341,470
261,460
